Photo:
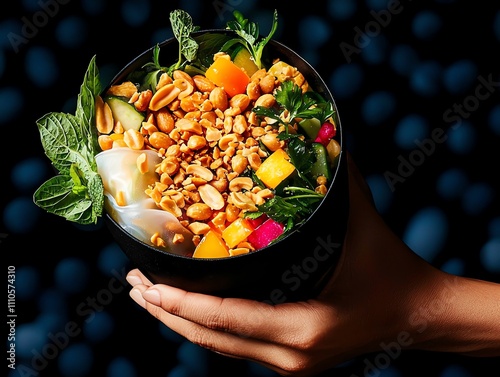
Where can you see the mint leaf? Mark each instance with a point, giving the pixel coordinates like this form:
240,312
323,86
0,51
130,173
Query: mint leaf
56,196
70,143
85,106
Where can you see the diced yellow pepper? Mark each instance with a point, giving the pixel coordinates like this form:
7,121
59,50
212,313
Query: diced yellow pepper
275,169
211,246
237,232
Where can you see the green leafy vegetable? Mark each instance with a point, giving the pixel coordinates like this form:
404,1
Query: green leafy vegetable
70,142
152,71
300,105
287,210
249,35
182,27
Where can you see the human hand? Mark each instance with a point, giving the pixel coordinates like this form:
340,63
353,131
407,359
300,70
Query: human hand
376,298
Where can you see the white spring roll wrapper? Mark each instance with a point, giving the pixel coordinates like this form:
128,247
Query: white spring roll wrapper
140,216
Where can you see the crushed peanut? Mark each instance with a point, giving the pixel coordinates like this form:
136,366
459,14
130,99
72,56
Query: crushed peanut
209,144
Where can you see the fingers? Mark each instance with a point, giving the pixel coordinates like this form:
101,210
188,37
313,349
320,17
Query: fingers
210,334
135,277
244,318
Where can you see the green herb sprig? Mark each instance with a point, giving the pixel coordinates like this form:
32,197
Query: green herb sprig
249,34
70,142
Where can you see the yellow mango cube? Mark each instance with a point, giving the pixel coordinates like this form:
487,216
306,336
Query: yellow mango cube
211,246
237,232
275,169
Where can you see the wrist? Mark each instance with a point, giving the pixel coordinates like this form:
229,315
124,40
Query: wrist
459,315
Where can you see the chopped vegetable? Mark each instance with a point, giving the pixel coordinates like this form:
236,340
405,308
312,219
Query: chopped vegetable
321,166
224,73
326,133
267,232
237,232
244,60
311,127
211,246
125,113
275,168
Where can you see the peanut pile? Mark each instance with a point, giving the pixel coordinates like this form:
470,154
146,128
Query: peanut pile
208,143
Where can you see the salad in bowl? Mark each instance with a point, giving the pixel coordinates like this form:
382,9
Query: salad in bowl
228,150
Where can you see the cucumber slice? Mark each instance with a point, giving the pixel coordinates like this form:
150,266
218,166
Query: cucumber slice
244,60
125,113
311,127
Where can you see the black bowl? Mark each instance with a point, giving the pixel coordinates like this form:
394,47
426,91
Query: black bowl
295,268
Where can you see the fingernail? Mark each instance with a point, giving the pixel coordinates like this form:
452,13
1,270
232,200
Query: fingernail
133,280
152,296
136,295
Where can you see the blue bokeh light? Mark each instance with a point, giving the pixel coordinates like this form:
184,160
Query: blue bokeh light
121,367
52,300
494,227
29,173
477,198
30,337
454,370
314,31
426,24
98,327
376,5
460,76
425,79
403,59
71,275
41,66
11,103
378,107
452,183
187,352
410,128
426,232
376,51
462,140
71,32
21,215
93,7
341,9
27,282
135,12
455,266
76,360
112,259
346,80
494,120
2,62
11,35
496,25
490,255
170,334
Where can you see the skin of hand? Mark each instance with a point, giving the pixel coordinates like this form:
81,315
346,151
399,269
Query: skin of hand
382,297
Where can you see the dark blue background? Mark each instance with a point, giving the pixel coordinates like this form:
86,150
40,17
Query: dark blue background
398,70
